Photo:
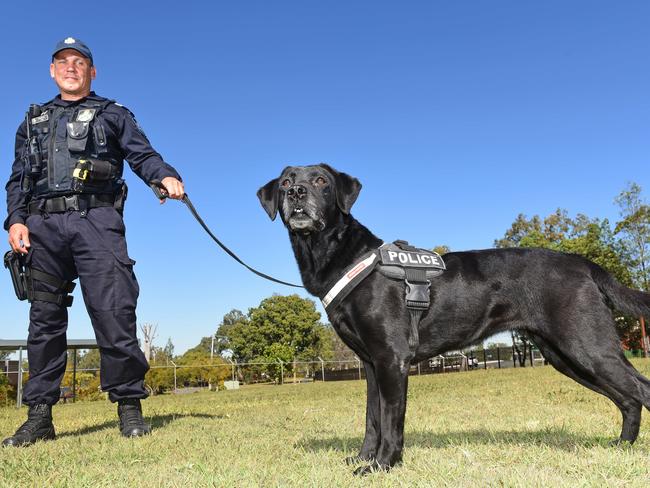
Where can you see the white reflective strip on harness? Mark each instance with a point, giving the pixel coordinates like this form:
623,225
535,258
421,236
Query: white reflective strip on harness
347,278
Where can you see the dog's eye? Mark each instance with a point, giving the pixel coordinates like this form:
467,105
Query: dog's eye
285,183
320,181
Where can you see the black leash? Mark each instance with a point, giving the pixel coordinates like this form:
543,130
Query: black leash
161,194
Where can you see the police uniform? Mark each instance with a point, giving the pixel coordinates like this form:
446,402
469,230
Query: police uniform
74,217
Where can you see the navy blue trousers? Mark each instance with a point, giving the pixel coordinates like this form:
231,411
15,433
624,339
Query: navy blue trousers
92,248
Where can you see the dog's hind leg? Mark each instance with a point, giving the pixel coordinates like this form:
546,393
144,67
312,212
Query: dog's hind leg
611,388
372,438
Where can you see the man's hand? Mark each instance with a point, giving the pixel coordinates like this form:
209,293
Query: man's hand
19,238
174,188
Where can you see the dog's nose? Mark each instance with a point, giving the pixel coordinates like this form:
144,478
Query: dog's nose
297,192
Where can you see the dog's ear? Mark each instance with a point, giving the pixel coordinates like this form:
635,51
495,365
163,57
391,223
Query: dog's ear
269,195
347,188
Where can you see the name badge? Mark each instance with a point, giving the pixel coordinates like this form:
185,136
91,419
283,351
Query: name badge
86,115
41,118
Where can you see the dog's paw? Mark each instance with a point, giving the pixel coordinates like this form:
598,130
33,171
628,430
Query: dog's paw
620,443
371,468
358,459
350,460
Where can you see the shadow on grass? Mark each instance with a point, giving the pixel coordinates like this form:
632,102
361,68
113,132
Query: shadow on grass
554,438
156,422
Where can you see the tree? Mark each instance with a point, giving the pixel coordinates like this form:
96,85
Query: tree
281,328
591,238
230,320
635,232
521,346
149,334
204,346
160,376
340,351
200,369
89,360
169,349
442,249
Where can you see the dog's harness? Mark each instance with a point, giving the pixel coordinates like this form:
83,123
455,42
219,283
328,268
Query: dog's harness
398,261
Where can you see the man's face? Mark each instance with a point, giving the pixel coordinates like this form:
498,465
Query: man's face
72,73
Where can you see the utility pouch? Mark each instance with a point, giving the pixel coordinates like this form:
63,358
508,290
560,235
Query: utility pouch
120,197
91,171
16,264
99,137
77,135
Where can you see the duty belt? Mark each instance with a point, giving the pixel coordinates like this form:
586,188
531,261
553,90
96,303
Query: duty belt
70,202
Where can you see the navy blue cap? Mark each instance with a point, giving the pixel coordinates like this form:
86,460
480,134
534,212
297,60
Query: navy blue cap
76,44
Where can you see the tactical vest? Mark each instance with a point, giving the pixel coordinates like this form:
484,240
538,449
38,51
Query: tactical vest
57,139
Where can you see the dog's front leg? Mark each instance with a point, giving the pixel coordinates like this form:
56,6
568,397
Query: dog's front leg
373,434
392,381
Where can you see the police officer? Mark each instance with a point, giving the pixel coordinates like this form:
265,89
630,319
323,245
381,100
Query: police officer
65,198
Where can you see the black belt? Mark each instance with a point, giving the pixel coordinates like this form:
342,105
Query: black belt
70,202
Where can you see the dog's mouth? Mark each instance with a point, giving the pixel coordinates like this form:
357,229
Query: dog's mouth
303,220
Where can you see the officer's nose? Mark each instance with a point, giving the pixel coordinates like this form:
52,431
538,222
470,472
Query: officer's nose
297,192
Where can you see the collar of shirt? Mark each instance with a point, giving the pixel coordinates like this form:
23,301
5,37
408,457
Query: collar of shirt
66,103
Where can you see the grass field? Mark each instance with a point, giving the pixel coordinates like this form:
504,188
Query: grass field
529,427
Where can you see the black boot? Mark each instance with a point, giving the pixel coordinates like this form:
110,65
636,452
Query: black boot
37,427
131,422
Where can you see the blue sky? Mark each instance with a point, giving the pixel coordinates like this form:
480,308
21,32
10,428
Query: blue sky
455,116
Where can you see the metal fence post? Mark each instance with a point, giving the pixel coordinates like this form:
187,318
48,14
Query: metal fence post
645,342
322,368
281,371
174,374
19,388
464,360
232,366
74,375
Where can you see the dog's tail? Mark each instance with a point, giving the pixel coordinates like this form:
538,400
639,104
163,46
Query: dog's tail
623,299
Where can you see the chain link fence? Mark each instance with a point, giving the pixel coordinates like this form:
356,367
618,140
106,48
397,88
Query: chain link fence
182,378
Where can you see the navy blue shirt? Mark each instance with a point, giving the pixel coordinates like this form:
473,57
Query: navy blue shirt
125,141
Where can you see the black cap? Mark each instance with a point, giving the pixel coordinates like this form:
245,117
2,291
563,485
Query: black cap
76,44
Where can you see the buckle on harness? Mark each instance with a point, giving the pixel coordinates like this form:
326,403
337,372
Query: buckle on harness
417,294
71,202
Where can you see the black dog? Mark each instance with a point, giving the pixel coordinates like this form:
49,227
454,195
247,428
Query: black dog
559,300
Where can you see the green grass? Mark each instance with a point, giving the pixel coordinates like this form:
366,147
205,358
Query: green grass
530,427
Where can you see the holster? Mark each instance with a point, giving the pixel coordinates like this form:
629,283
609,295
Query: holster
23,277
15,263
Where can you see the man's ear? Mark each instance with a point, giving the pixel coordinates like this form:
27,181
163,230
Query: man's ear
347,188
93,72
269,195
